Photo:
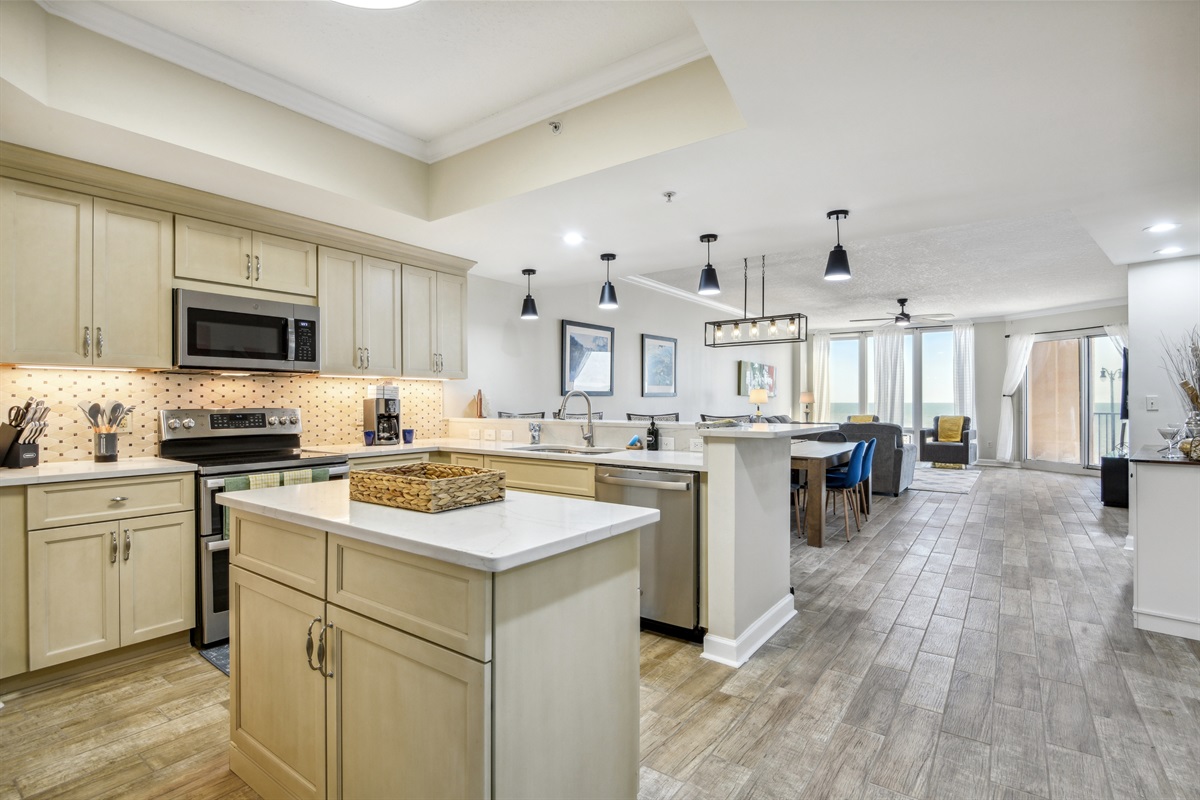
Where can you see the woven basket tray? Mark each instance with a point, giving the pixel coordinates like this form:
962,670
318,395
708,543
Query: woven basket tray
427,487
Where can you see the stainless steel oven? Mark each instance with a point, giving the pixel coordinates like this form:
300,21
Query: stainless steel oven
229,446
224,332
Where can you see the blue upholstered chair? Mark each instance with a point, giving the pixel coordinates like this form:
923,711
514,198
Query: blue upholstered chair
847,483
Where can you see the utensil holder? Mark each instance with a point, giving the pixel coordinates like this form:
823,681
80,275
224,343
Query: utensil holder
22,455
104,447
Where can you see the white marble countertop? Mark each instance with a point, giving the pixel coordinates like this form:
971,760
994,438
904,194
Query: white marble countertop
766,430
649,459
521,529
87,470
1149,454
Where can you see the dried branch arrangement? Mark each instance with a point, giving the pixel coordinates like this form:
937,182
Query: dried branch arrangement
1182,363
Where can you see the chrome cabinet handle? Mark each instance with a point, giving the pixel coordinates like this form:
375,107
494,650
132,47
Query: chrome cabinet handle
118,499
87,341
128,544
322,651
308,647
257,268
360,358
247,266
368,358
99,342
112,550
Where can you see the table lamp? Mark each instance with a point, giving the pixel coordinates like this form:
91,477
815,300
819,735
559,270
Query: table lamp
757,398
807,399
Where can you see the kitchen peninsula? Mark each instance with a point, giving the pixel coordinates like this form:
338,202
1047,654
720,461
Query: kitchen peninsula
489,651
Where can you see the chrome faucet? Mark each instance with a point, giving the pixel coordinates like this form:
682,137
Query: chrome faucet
589,435
535,433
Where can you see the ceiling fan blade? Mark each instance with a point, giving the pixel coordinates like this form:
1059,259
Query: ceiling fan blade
874,319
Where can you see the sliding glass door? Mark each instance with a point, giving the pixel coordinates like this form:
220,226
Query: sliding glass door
1072,400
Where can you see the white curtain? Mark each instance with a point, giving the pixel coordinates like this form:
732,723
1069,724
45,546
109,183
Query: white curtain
889,374
964,372
820,356
1118,334
1019,347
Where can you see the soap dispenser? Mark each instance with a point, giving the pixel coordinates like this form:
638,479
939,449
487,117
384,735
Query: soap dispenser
652,436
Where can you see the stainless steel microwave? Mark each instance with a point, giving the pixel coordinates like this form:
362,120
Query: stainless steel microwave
218,332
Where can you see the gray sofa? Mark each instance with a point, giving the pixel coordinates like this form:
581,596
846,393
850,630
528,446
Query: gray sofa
894,461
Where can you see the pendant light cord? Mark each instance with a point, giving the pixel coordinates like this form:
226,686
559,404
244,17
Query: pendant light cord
763,311
745,288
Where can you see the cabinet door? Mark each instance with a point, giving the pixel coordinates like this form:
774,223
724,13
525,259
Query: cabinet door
406,718
276,701
339,284
74,593
131,286
451,326
14,585
210,251
45,275
285,265
420,322
158,576
381,302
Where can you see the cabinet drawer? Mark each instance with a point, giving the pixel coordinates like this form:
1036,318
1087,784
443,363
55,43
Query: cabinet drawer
290,554
375,462
51,505
443,603
466,459
557,477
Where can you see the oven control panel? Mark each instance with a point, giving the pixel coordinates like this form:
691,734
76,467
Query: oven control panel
195,423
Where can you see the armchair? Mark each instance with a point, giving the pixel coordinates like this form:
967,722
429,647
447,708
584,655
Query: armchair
893,462
965,451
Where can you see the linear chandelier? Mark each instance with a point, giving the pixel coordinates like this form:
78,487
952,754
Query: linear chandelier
763,329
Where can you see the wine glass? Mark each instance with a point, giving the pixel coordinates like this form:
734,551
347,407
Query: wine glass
1173,433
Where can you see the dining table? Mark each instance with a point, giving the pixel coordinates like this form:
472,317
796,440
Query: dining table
814,458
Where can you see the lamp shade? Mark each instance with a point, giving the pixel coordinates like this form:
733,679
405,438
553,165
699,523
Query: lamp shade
608,295
708,280
758,396
807,397
529,308
838,267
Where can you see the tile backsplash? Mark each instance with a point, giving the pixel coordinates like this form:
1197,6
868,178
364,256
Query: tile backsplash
331,407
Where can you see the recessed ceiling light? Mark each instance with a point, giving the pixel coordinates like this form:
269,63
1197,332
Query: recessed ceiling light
1161,227
1169,251
379,4
573,238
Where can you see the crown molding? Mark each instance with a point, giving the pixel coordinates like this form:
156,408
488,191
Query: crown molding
1115,302
643,66
121,27
678,294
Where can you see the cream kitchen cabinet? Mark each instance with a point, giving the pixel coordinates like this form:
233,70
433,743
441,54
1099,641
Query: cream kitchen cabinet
360,299
395,460
217,253
83,281
435,324
14,588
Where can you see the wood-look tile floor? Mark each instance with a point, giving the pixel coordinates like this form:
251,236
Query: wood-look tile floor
960,646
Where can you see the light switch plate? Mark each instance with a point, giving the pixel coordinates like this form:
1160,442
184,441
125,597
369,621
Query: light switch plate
473,433
668,443
1152,402
489,435
697,446
506,436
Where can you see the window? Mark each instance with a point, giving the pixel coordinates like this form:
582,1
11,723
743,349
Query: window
937,375
852,375
844,395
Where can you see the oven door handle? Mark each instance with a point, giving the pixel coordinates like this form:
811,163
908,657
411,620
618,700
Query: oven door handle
213,547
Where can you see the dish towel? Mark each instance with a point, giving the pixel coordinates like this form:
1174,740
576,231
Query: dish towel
267,480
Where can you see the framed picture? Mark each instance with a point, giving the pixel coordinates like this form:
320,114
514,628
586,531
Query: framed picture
587,358
658,366
752,375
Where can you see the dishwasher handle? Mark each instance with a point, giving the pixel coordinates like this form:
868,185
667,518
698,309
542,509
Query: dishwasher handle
668,486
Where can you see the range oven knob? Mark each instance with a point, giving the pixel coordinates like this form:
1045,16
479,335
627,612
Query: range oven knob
173,424
188,424
272,420
294,420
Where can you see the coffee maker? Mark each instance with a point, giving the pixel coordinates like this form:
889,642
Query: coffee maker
381,413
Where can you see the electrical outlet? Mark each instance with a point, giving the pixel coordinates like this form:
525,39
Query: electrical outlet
123,425
473,433
1152,402
697,445
489,435
667,443
506,436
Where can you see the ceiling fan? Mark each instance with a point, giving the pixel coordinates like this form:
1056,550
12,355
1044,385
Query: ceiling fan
904,319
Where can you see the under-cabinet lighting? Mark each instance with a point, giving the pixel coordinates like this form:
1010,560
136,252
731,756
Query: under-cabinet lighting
76,369
234,374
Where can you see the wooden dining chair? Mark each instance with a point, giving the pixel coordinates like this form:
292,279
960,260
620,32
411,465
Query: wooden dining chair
847,483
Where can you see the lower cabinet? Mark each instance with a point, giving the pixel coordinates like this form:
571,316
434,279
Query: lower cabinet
375,462
540,476
106,585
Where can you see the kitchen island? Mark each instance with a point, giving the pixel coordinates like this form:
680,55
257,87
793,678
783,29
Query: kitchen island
489,651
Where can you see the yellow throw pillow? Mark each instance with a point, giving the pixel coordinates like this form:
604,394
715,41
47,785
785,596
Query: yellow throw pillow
949,429
862,417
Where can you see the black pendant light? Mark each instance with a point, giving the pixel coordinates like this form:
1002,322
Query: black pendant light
528,308
708,276
838,268
608,295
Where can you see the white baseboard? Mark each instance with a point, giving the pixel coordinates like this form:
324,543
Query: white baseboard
735,652
1166,623
1129,540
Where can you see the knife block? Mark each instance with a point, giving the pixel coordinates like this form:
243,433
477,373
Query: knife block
21,455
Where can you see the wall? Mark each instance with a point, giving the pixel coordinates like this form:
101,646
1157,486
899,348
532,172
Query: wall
331,407
1164,301
516,362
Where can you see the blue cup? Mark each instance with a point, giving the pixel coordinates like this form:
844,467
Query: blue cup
408,435
368,438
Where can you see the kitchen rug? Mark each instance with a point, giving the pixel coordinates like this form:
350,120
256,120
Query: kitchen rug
218,656
952,481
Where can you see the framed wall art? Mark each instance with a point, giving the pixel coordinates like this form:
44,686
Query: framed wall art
658,366
587,358
752,375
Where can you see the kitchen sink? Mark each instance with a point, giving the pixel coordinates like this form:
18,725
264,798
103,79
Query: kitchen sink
578,450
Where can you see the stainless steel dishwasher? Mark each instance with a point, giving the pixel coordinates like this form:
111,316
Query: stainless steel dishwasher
670,549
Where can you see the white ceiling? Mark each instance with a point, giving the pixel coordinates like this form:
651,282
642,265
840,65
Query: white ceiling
997,158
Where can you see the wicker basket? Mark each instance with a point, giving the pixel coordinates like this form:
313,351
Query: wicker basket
427,487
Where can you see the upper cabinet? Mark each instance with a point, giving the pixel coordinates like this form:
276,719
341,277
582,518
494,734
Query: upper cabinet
83,281
360,308
216,253
435,324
